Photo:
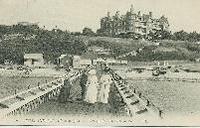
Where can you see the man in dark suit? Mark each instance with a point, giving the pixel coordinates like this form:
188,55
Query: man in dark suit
83,81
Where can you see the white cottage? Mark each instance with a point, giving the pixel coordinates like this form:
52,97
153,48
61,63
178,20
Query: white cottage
81,62
34,60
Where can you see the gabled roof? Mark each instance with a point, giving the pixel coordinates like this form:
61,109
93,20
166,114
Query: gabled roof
33,56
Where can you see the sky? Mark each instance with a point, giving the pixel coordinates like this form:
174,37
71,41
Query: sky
74,15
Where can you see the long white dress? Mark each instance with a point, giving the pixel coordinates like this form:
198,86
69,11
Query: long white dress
105,83
91,91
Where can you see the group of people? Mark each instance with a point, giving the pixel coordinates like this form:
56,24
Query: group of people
94,89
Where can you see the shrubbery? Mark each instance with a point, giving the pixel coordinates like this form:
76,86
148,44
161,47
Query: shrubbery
32,39
51,43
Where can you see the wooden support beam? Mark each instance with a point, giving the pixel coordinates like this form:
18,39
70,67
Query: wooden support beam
20,98
142,111
54,83
42,89
135,102
33,93
4,105
126,92
123,89
49,86
132,95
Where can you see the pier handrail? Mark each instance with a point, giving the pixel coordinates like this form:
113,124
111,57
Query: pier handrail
25,91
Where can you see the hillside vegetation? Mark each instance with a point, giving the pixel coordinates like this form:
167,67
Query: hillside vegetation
17,40
147,50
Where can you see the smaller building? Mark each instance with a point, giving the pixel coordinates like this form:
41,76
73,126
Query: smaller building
76,62
99,50
81,62
65,60
112,61
34,60
98,60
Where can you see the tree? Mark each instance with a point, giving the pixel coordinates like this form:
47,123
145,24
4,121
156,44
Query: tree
51,43
76,33
159,35
166,35
88,32
181,35
193,37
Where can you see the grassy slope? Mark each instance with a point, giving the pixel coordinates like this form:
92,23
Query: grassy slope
167,50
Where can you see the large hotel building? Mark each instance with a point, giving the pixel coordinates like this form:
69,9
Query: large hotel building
132,22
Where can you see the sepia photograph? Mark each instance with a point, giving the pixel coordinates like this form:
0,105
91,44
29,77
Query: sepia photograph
100,63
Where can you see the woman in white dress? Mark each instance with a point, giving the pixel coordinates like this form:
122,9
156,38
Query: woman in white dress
105,82
91,85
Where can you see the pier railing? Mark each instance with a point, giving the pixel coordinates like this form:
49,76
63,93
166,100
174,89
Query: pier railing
29,99
136,103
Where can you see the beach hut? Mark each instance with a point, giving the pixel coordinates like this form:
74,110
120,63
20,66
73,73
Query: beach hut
34,60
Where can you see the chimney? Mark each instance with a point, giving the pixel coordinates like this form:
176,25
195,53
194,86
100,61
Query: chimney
131,9
117,13
139,13
150,14
108,14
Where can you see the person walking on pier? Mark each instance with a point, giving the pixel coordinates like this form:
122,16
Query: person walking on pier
105,82
91,85
65,91
83,82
